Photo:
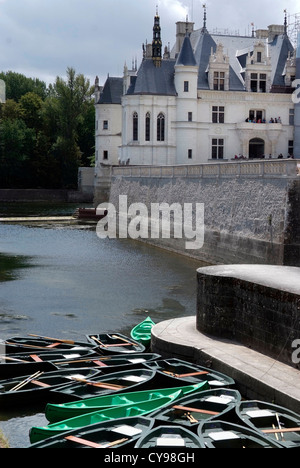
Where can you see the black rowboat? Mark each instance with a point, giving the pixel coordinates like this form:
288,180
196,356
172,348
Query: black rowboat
37,386
169,437
275,422
190,410
119,382
33,344
173,369
112,363
15,369
50,356
115,343
122,432
223,434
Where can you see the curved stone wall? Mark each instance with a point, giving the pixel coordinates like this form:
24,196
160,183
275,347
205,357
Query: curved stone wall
255,305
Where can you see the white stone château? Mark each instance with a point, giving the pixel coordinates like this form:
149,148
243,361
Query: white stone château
212,97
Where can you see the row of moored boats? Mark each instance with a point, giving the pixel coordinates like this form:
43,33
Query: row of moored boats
110,391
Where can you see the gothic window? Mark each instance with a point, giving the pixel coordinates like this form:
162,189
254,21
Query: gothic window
217,148
135,122
161,127
218,114
219,81
291,147
186,86
105,124
147,127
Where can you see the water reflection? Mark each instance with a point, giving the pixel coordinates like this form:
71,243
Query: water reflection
63,281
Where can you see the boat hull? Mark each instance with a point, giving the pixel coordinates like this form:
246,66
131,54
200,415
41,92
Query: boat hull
222,434
189,411
37,387
59,412
143,408
115,343
118,382
171,437
267,419
174,369
120,433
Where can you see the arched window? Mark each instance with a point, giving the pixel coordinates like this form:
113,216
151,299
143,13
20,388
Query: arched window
161,127
147,127
135,122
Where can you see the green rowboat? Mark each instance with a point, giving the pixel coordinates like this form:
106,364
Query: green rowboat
142,332
37,434
58,412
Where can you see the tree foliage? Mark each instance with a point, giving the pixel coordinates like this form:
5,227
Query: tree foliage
45,133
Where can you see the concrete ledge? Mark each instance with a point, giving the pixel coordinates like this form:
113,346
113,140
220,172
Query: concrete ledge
256,375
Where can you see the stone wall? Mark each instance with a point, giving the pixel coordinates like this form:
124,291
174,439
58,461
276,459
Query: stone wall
257,306
251,208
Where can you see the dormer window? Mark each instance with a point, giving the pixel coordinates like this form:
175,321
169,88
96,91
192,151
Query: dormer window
258,82
219,81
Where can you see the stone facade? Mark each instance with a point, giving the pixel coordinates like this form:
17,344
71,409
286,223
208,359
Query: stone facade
211,97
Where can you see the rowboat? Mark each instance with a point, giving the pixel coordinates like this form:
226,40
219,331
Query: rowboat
223,434
121,382
108,363
40,344
59,412
275,422
112,433
143,408
142,332
37,386
115,343
173,368
190,410
15,369
169,436
50,356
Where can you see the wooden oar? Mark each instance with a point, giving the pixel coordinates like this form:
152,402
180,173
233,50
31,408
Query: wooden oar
53,339
280,429
89,443
195,410
31,346
192,374
98,384
123,339
98,341
26,381
7,358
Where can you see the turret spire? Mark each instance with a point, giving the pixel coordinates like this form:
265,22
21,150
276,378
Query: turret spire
157,42
204,29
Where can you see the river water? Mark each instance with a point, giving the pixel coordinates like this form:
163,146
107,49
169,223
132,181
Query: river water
61,280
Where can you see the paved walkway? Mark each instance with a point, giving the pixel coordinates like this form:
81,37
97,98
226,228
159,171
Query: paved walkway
256,375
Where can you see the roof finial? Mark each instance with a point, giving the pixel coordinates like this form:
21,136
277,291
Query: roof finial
285,21
204,18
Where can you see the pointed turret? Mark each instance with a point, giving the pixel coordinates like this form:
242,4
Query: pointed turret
157,42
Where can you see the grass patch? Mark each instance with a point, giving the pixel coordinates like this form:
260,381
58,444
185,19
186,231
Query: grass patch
3,441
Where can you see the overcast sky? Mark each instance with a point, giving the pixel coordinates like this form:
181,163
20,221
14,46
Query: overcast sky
41,38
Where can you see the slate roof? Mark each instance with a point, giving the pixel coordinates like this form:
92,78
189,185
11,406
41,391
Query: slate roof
186,56
112,91
196,50
154,80
237,48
